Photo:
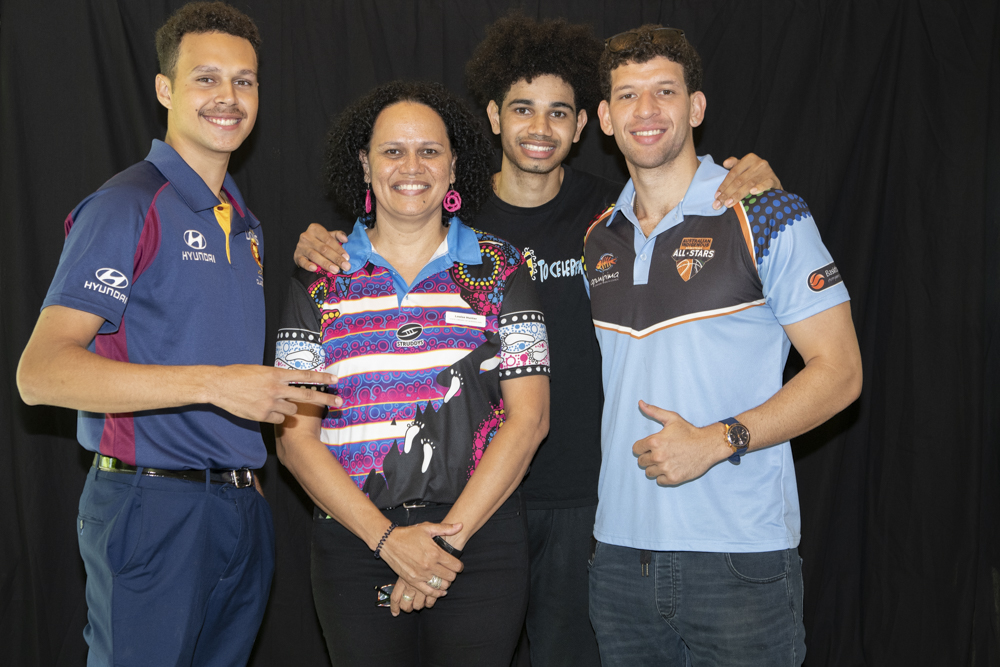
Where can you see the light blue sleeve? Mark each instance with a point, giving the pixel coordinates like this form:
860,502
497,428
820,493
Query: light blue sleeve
799,277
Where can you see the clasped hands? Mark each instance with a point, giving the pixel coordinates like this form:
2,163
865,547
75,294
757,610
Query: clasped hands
413,555
679,452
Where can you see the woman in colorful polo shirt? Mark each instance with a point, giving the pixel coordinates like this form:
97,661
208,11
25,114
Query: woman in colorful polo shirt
440,346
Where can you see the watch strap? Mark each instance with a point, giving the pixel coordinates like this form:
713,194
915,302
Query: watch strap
738,452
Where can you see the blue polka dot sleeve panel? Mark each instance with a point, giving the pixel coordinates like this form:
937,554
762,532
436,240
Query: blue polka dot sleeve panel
769,214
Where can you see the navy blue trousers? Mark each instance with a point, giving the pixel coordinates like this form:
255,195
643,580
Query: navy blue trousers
178,572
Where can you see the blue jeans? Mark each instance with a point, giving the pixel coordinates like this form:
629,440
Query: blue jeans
697,609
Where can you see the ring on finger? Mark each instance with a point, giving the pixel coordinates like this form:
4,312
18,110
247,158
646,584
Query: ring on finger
434,582
408,598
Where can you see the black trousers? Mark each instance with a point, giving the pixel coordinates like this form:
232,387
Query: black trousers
477,623
559,629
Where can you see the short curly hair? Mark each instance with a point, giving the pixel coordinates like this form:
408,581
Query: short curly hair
644,48
352,133
517,47
200,17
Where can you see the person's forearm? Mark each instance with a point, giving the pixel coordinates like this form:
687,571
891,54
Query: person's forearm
499,473
330,487
98,384
816,393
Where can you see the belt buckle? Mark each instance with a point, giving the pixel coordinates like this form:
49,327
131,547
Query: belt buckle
414,504
241,478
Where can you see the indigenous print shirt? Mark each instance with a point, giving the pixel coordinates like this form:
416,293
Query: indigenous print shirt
419,365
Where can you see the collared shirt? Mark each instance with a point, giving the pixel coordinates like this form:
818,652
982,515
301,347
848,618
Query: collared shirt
177,277
690,320
419,364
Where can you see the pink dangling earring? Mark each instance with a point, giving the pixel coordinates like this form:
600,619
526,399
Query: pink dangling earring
368,200
452,201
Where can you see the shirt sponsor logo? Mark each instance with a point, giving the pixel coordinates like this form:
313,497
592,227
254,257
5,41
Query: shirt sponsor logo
195,239
110,279
691,256
198,256
825,277
606,262
408,334
604,280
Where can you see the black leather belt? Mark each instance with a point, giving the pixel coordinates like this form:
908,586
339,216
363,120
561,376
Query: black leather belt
240,478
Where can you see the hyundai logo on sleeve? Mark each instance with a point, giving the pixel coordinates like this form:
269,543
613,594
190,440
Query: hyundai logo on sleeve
195,239
112,278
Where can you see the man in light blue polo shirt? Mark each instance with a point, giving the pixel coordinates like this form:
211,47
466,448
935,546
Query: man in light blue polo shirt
695,310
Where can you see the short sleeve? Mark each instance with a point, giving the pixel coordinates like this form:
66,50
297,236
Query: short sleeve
300,337
524,340
799,277
99,259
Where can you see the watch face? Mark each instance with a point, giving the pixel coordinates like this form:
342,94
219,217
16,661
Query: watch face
739,436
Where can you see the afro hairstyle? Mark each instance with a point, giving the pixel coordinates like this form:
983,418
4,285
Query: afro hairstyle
517,47
352,132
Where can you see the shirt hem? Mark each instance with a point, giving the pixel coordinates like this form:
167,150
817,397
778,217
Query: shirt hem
707,546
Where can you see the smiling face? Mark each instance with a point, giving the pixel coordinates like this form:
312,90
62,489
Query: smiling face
212,99
538,123
409,163
650,113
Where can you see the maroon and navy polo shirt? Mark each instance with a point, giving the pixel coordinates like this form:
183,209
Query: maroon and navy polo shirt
177,277
420,365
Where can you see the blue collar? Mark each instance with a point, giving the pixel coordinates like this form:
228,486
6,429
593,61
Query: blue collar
191,187
463,245
697,199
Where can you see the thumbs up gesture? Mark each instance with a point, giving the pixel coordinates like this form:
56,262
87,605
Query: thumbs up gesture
680,452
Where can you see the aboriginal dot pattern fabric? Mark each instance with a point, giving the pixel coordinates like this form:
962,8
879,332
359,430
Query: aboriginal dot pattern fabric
769,214
420,372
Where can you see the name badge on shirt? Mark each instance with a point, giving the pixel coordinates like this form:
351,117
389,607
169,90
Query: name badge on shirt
465,319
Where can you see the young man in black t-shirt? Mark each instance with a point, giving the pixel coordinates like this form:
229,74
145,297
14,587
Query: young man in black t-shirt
537,80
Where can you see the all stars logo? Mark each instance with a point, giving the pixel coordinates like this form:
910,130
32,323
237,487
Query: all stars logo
692,256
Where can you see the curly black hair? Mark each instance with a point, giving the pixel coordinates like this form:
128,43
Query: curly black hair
641,45
199,17
352,133
517,47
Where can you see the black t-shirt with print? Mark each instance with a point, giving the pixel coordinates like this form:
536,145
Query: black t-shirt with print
564,471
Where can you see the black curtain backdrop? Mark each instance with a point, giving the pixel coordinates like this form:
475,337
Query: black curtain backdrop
883,114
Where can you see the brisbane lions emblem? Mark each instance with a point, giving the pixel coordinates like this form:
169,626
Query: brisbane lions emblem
692,256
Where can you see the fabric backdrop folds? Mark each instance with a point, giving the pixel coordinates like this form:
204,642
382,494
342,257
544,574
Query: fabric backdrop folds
884,115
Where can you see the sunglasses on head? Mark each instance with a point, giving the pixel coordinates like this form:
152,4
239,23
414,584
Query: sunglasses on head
628,39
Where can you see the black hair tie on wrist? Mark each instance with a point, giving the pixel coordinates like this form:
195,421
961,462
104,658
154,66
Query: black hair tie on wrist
378,549
441,542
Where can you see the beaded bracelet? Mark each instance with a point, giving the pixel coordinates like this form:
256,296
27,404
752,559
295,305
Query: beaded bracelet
378,549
